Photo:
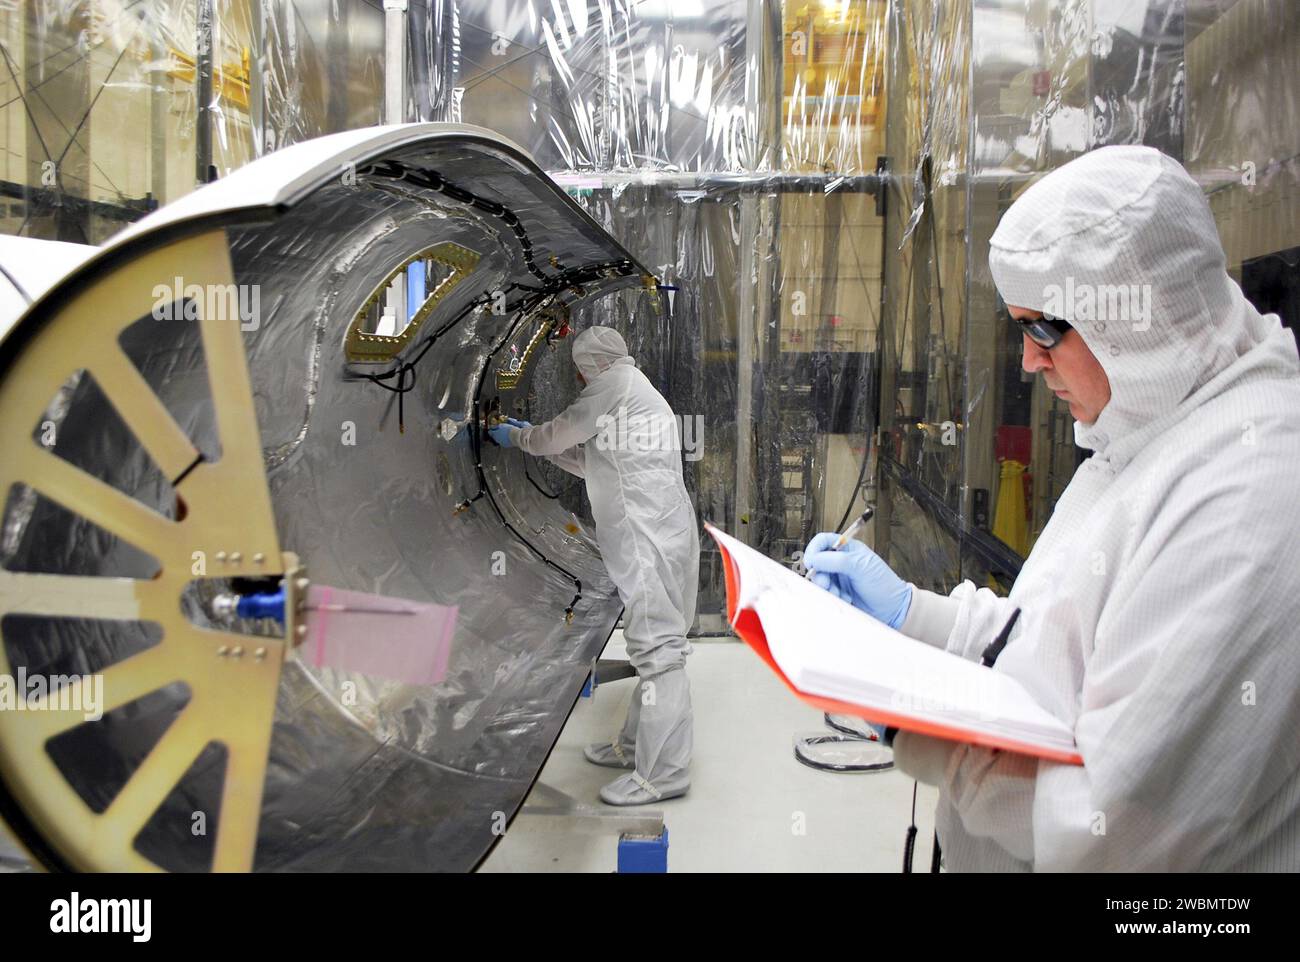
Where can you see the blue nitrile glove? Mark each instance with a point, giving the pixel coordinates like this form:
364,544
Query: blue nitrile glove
501,434
856,574
519,424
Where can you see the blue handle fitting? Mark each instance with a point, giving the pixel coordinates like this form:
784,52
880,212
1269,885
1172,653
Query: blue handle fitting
264,604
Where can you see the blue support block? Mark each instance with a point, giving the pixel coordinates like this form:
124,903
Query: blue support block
642,855
588,687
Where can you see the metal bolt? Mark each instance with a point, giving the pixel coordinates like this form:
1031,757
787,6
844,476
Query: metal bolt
235,557
221,556
259,558
238,652
301,631
301,584
259,654
222,651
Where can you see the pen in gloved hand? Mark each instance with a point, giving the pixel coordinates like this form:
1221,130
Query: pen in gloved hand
847,535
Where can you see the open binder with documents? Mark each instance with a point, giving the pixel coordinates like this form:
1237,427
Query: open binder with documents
842,660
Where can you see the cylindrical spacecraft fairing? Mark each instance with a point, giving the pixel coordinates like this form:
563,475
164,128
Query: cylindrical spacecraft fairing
281,380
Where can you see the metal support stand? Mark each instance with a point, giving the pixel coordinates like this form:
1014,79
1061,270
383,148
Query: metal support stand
612,669
605,671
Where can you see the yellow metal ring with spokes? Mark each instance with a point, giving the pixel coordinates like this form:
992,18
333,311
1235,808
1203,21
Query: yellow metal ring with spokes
228,512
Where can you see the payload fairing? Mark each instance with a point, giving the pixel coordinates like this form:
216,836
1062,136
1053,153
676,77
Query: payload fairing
245,390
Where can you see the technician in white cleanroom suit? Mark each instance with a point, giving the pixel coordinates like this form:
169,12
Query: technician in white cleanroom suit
1161,605
621,436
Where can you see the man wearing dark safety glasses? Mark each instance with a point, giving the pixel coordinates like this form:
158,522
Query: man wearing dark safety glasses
1156,614
1044,330
1070,370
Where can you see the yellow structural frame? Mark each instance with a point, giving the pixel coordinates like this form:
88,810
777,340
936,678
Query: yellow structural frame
228,524
508,379
361,346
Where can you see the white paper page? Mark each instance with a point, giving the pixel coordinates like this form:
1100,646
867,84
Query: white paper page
829,648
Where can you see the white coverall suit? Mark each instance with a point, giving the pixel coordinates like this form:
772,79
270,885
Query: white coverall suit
621,436
1161,605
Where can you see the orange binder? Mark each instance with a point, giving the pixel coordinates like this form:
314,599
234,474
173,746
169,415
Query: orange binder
748,626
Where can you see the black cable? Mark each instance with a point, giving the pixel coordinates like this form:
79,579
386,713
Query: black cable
402,387
857,486
476,444
18,287
186,473
990,656
432,180
577,582
540,490
871,437
909,845
866,454
409,366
